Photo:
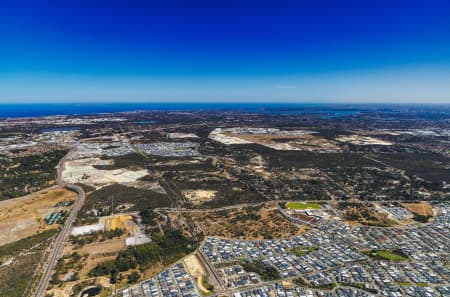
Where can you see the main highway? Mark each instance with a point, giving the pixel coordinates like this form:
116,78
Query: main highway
58,244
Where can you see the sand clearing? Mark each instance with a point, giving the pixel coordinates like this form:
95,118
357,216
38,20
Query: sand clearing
24,216
424,209
194,265
196,269
199,196
124,222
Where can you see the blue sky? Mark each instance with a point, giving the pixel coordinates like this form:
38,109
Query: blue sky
290,51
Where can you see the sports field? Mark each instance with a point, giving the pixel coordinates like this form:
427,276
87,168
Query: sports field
387,255
300,205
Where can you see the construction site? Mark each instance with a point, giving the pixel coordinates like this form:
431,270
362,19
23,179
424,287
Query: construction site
26,216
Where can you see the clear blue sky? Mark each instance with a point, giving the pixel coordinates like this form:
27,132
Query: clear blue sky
290,51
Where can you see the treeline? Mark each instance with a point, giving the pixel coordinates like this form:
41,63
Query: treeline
267,273
96,236
148,217
421,218
165,249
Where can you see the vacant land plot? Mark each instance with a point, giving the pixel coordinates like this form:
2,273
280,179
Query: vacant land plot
23,217
423,209
302,206
249,223
366,214
101,251
194,265
124,222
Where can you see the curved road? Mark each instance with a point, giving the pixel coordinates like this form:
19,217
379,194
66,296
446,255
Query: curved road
62,236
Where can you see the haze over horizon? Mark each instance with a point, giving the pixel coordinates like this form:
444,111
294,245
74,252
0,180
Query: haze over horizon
265,51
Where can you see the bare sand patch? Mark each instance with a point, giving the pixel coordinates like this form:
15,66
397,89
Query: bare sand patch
194,265
362,140
104,247
424,209
124,222
199,196
24,216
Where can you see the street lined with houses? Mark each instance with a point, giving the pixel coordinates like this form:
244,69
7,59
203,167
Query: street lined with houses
335,263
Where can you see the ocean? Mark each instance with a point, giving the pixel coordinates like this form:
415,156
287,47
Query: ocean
49,109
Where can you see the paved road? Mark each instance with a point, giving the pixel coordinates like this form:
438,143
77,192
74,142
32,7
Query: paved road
62,236
211,271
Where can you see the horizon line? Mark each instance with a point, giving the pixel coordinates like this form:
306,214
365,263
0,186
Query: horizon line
228,102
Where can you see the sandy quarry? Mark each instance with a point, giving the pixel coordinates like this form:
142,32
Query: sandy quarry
296,140
83,171
24,216
226,138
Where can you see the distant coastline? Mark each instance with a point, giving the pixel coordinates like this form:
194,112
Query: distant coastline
52,109
11,110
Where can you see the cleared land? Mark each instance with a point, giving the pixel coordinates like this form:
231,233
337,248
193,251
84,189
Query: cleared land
124,222
197,197
23,217
424,209
194,265
99,252
302,206
85,171
275,139
362,140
